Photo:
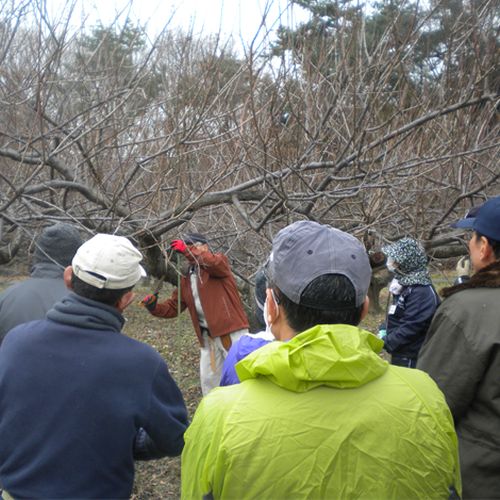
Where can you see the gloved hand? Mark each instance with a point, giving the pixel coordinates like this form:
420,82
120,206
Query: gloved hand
463,270
382,331
463,266
178,246
150,301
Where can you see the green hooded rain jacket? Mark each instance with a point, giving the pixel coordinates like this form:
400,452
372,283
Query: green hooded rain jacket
322,416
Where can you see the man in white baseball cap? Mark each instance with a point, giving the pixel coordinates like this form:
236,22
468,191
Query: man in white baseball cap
318,413
80,400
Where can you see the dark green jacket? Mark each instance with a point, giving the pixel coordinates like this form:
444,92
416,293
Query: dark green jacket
462,354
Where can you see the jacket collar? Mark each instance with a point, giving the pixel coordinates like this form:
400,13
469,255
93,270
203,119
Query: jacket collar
81,312
47,270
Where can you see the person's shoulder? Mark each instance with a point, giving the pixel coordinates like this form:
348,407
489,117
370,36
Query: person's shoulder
140,350
428,295
24,333
221,256
471,297
34,286
418,381
15,288
221,399
250,342
215,408
411,375
422,289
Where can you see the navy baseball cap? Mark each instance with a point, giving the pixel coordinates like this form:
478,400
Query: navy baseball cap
484,220
471,214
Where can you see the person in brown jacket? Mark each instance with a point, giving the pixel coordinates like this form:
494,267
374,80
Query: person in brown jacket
209,292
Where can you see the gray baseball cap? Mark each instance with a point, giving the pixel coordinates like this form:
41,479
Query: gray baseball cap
305,250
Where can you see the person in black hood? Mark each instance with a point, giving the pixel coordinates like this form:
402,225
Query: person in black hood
32,298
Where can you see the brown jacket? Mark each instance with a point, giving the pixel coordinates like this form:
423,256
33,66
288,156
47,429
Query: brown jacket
218,292
462,354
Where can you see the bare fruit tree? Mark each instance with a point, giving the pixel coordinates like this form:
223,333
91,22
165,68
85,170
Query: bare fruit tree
382,123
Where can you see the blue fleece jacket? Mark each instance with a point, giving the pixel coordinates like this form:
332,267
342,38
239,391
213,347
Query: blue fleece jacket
239,350
74,395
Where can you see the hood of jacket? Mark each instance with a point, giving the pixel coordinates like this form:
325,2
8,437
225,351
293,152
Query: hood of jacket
341,356
47,270
81,312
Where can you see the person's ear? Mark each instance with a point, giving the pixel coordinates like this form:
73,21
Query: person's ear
486,252
125,300
273,310
67,275
366,306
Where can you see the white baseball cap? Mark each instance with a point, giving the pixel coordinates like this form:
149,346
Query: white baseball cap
108,261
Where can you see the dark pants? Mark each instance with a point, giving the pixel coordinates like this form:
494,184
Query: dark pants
403,361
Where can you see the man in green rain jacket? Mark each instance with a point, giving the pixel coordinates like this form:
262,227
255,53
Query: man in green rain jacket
318,413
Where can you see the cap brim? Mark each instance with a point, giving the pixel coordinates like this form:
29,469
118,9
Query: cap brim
467,223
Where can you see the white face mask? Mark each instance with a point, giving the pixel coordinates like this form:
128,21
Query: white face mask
395,287
391,264
266,319
266,314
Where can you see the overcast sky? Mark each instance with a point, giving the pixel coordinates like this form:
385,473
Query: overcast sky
240,18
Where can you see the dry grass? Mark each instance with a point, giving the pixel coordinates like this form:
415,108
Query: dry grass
176,341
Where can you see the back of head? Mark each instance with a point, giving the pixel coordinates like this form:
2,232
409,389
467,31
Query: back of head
57,244
105,267
321,274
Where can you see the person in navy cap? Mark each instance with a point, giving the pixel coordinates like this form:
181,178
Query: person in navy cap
462,353
31,298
